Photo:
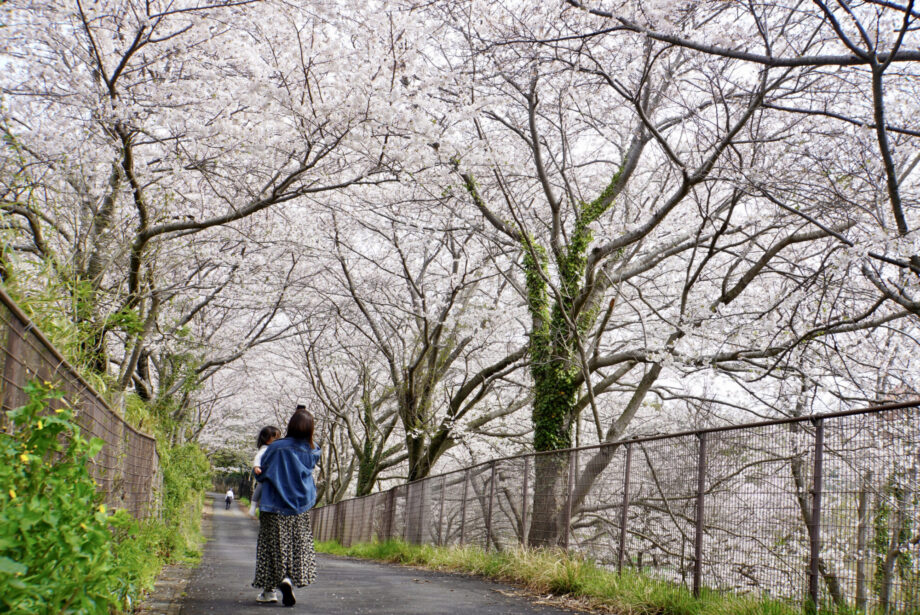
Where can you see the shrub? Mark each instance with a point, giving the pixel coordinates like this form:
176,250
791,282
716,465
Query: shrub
186,476
55,554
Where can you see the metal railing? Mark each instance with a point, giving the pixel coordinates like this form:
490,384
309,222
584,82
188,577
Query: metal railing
825,507
127,468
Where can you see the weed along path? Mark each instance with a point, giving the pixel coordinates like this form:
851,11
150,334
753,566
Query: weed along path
221,585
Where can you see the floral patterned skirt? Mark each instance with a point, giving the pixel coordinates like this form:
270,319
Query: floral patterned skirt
285,549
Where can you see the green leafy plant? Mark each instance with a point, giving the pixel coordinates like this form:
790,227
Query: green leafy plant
55,554
186,476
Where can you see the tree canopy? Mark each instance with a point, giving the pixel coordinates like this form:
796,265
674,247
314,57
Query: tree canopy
462,229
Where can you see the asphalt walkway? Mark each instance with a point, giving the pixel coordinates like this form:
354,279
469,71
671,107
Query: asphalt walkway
344,586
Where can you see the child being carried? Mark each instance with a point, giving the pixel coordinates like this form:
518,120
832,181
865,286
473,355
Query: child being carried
267,435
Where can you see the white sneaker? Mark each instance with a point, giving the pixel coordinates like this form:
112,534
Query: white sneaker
267,596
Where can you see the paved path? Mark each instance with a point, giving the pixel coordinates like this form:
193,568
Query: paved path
221,584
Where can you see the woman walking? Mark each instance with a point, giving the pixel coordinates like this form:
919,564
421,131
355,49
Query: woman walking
284,556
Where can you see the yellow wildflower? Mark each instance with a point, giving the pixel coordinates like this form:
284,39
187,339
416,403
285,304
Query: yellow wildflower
102,508
24,457
40,424
12,494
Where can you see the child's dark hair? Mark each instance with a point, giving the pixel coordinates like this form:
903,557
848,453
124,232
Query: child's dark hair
267,434
301,426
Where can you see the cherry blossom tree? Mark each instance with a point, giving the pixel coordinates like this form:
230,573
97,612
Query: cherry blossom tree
148,138
629,173
426,220
861,61
423,300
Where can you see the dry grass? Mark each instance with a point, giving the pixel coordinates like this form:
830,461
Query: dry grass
556,576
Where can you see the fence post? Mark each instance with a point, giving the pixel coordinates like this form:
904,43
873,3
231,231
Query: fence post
367,519
441,512
343,522
700,517
815,529
390,514
348,522
356,513
491,500
333,521
406,511
524,528
625,506
340,523
466,486
416,509
12,381
573,461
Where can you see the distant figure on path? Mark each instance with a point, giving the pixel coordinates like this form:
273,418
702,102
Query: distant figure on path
229,499
267,435
284,556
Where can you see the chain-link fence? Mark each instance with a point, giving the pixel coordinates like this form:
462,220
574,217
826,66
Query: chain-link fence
127,468
824,507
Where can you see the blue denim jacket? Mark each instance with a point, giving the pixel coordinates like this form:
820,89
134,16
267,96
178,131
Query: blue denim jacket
287,477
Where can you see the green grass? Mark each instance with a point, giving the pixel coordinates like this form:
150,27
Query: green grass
553,572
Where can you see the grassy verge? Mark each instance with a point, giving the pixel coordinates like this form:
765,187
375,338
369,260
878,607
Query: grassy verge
553,572
61,549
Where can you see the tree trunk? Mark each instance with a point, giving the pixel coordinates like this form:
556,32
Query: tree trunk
418,465
92,342
824,569
367,471
550,496
418,499
369,462
143,372
554,405
898,537
862,543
